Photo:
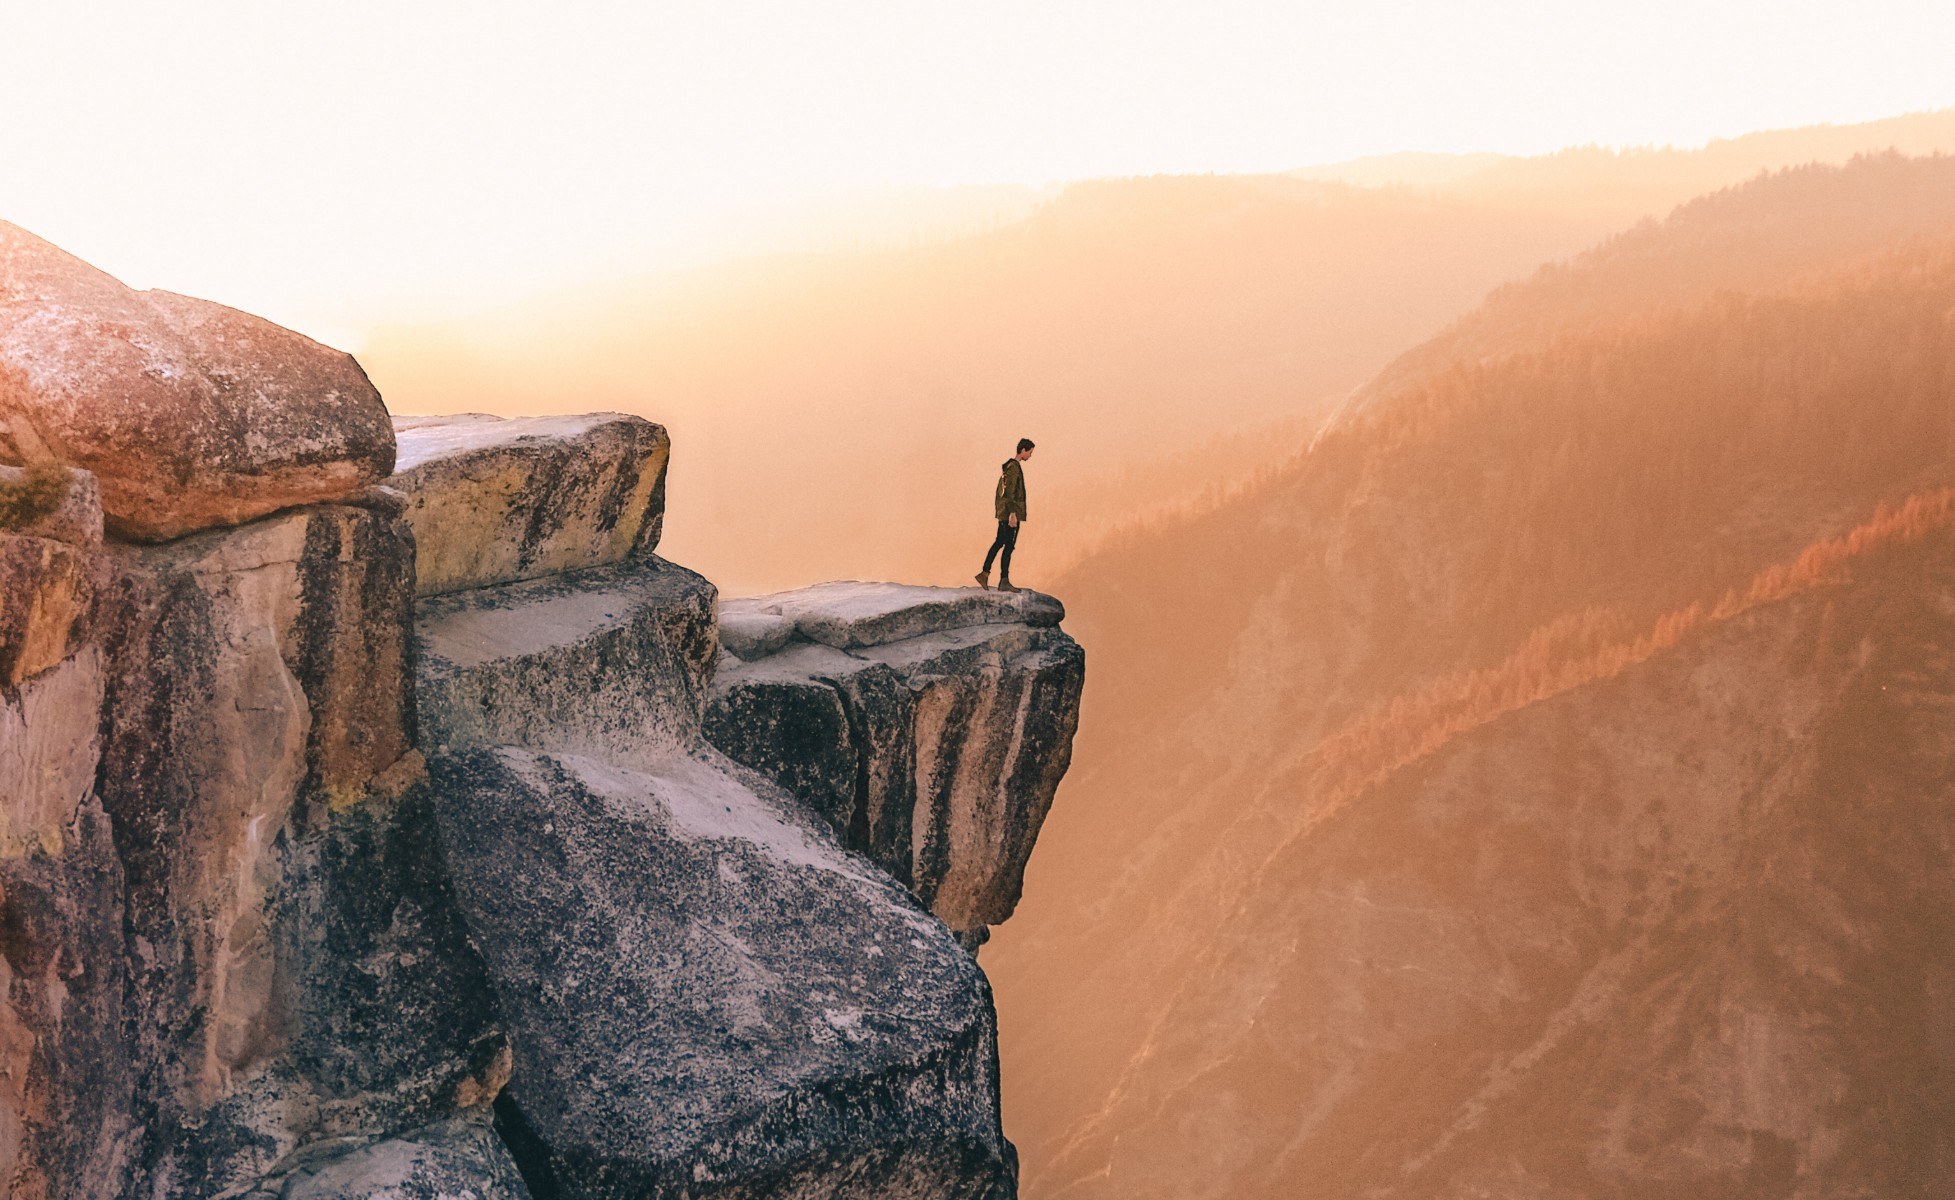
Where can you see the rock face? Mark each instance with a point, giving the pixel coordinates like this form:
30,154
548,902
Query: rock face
928,726
495,500
229,934
708,998
49,587
304,976
190,414
705,994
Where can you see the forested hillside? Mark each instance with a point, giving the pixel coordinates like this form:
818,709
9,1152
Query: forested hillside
1293,931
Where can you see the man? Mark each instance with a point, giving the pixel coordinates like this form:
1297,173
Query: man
1009,507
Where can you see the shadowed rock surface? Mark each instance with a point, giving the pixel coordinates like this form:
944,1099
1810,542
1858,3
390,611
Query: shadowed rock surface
929,727
494,500
62,503
252,945
189,414
707,997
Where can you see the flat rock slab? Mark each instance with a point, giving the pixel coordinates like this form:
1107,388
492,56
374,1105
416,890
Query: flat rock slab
850,614
456,1160
189,414
46,588
707,997
297,972
494,500
612,662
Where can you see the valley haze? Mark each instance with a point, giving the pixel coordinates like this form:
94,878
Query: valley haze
494,701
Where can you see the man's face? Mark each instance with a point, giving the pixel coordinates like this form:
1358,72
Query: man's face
1024,456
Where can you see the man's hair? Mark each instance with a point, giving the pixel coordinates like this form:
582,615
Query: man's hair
1024,444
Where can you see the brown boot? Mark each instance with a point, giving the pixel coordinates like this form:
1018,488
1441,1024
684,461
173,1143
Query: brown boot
1005,585
984,580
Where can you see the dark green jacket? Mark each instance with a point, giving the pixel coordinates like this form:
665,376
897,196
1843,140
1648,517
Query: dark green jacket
1011,491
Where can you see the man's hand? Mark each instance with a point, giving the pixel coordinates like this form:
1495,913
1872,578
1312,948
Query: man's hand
1013,518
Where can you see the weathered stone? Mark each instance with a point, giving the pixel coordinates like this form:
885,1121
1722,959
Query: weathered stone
66,1079
936,753
62,503
707,997
189,414
495,500
298,972
850,614
46,588
50,747
460,1159
613,662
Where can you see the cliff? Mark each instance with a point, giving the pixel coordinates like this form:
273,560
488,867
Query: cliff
361,835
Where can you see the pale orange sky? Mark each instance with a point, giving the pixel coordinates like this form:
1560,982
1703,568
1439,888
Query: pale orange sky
338,165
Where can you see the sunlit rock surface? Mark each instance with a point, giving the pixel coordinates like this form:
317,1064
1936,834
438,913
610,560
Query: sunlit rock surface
458,1159
189,414
929,727
494,500
296,968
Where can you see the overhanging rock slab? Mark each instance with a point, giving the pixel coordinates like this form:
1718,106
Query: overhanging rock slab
930,727
494,500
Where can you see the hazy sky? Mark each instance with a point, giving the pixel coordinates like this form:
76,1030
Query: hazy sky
336,164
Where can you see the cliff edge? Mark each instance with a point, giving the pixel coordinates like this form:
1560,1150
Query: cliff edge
425,834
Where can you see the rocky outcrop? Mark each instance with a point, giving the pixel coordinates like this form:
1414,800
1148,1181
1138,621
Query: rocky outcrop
375,849
190,414
494,500
708,997
928,726
705,994
48,587
612,662
229,935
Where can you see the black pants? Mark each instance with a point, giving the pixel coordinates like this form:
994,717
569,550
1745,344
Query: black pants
1006,541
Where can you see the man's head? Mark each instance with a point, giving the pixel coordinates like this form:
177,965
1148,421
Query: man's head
1025,449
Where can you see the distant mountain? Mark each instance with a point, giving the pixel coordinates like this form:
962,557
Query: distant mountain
1765,233
1161,337
1538,789
1616,186
848,412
